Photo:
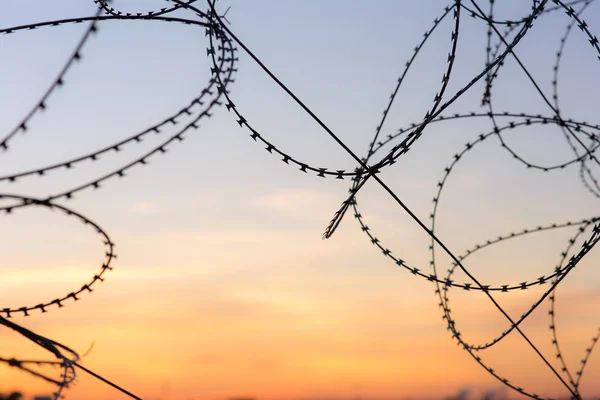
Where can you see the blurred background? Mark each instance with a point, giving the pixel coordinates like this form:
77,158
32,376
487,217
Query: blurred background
223,287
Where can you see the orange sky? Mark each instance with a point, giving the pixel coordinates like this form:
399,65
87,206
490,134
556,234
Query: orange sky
223,286
174,333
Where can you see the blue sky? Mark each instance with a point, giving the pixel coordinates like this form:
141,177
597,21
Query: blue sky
221,236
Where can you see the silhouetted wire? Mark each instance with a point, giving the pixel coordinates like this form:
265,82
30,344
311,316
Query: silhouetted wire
69,375
387,252
99,277
539,90
42,104
114,385
161,149
405,145
583,168
222,53
372,172
104,5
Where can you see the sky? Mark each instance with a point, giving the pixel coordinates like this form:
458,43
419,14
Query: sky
223,286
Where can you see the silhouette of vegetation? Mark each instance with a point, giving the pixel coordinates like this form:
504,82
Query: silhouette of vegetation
12,396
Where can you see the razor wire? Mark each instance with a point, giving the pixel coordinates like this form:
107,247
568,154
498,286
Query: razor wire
503,38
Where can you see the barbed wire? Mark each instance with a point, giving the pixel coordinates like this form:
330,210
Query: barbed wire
502,39
443,285
200,107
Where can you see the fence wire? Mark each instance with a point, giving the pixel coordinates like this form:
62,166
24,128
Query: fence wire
503,38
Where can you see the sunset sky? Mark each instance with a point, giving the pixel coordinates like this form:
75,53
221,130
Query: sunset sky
223,286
